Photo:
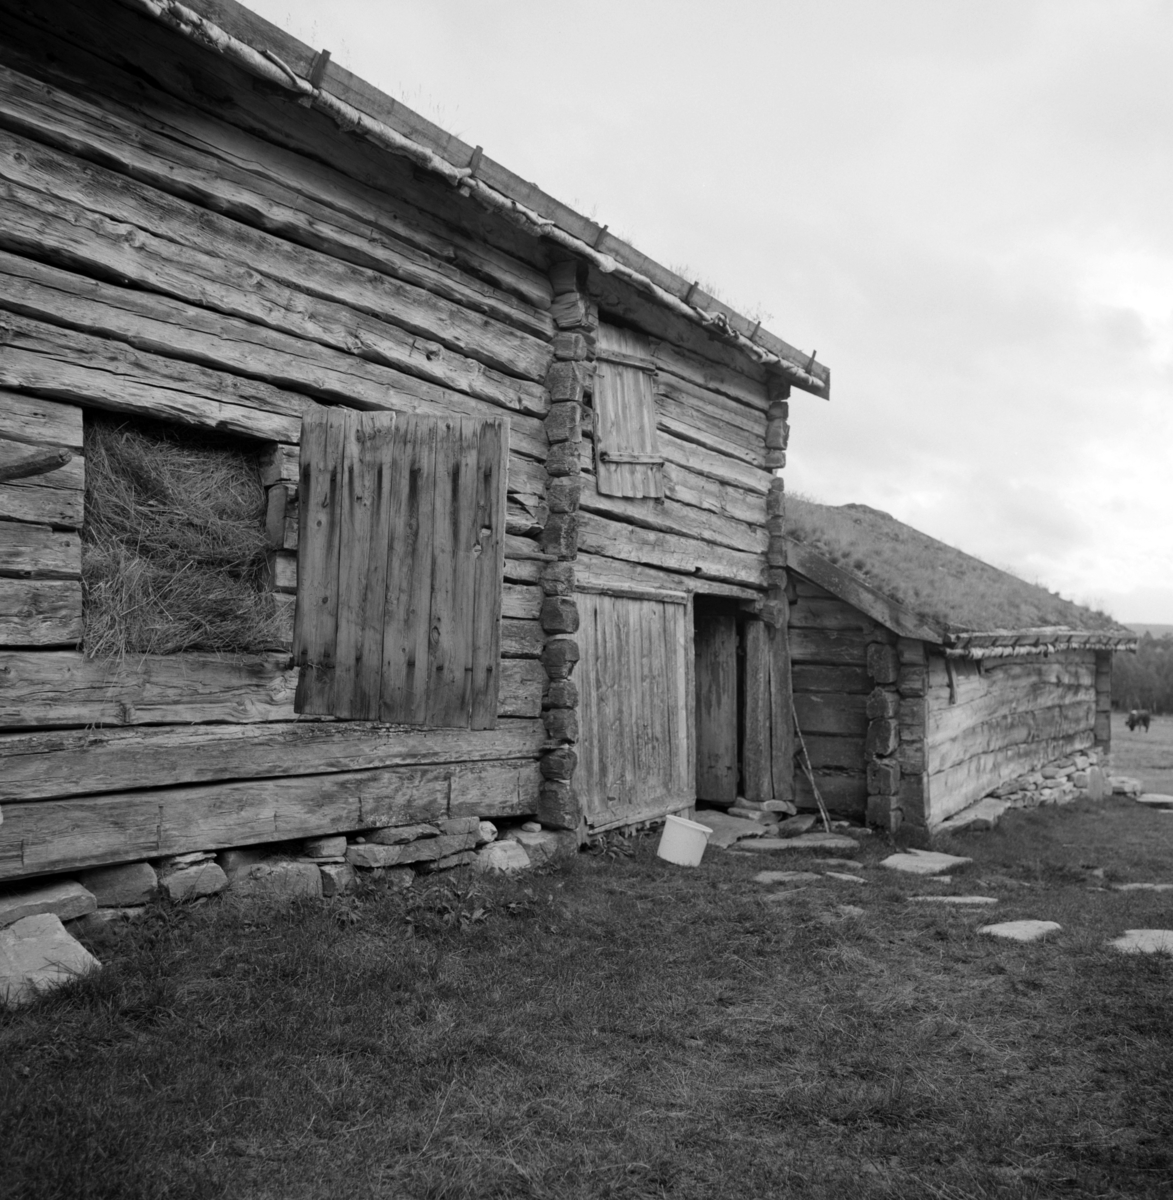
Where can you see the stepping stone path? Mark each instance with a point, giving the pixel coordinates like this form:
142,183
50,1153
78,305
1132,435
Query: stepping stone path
727,829
924,862
1155,800
1021,931
846,878
974,900
1145,941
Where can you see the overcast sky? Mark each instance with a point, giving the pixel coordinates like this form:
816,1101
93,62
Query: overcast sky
966,209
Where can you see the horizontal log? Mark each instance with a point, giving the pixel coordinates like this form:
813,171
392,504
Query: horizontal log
843,715
836,647
225,357
726,499
63,835
34,421
598,535
40,612
844,793
521,638
520,601
1011,729
808,677
178,248
604,574
57,689
38,504
830,614
845,752
703,408
682,427
67,365
206,172
38,551
711,465
946,721
960,786
52,765
670,516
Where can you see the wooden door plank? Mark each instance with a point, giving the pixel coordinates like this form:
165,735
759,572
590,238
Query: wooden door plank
488,571
379,468
782,738
444,602
319,544
409,582
354,525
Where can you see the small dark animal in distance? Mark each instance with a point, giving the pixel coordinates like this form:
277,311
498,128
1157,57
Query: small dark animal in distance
1138,717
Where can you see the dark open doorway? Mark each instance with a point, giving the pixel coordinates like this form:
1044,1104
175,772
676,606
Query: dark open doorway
720,698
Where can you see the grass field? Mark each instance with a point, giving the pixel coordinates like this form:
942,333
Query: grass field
1148,756
618,1027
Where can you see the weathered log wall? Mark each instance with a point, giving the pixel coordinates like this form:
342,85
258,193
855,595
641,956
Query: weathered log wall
833,651
988,722
178,244
183,243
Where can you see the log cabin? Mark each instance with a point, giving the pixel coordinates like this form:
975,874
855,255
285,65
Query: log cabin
519,485
926,680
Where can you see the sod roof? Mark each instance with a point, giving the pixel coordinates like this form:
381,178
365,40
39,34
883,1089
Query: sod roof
931,579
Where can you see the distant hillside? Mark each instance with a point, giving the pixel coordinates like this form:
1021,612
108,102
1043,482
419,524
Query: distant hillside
936,581
1157,631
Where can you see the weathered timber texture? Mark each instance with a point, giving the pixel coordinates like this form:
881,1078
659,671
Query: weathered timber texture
60,688
636,758
53,764
56,835
1009,717
36,612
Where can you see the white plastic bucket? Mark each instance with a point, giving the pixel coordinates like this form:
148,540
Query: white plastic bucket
683,841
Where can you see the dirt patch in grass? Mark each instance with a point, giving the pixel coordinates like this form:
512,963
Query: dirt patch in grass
619,1027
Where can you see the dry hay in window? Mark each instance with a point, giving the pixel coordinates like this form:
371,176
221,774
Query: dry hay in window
173,545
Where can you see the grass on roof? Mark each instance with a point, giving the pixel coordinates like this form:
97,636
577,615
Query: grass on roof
936,581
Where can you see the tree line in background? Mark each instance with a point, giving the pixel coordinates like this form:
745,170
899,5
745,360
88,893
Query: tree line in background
1145,679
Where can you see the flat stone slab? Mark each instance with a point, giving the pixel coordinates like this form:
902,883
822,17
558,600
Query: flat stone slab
1145,941
727,829
924,862
985,814
190,883
806,841
66,899
842,875
785,877
1125,785
1142,887
963,900
37,954
1155,800
1022,931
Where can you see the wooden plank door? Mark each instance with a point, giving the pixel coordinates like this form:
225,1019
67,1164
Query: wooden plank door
635,679
716,700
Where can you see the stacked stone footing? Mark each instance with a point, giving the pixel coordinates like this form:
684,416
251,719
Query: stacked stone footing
1066,779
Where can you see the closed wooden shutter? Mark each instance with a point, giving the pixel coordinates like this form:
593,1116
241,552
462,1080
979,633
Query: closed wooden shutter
627,451
400,560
